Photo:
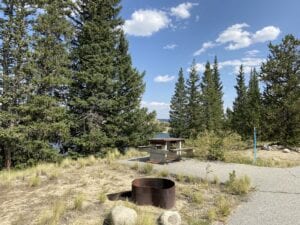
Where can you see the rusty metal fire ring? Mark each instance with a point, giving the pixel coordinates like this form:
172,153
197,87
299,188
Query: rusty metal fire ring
158,192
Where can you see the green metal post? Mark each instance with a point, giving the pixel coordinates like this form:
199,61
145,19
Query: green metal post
254,144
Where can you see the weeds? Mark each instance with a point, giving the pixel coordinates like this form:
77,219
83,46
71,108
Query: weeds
223,206
52,217
197,198
238,186
146,169
102,197
145,219
163,173
34,181
78,201
135,167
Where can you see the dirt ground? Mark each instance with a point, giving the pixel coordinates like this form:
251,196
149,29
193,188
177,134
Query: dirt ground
47,195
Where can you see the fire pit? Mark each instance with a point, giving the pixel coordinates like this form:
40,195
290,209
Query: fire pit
154,191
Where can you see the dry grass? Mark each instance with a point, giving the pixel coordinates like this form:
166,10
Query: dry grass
264,158
70,193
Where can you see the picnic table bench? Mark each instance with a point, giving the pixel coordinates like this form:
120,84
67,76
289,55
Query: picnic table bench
164,150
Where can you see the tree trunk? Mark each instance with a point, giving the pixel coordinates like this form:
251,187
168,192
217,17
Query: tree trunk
7,158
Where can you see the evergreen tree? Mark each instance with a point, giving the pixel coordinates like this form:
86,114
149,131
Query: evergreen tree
253,103
45,121
15,51
281,96
106,90
93,86
129,118
209,97
239,105
218,109
178,108
194,109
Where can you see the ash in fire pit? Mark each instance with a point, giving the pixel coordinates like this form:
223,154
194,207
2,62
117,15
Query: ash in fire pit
154,191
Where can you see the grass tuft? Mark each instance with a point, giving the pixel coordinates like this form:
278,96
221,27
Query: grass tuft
102,197
146,169
53,216
78,201
238,186
34,181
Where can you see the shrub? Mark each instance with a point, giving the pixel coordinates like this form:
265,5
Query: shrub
216,151
238,186
208,145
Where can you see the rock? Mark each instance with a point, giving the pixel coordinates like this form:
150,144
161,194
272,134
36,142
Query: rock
170,218
121,215
267,148
286,150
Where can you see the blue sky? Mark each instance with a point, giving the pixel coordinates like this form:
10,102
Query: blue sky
166,35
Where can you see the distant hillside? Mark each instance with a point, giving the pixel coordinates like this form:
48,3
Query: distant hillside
164,120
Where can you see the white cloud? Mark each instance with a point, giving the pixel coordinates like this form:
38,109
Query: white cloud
204,47
162,108
248,63
146,22
182,11
237,37
252,53
164,79
269,33
170,46
200,68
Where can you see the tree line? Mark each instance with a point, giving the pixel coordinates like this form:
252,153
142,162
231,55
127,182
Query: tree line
67,81
197,105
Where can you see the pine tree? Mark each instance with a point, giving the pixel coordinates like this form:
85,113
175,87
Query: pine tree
194,109
15,51
178,108
211,88
253,103
239,105
45,120
281,96
218,109
209,97
106,91
129,118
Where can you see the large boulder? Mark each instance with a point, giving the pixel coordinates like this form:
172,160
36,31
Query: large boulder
170,218
121,215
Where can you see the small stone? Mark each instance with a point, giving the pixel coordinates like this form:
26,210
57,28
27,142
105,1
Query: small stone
170,218
286,150
121,215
